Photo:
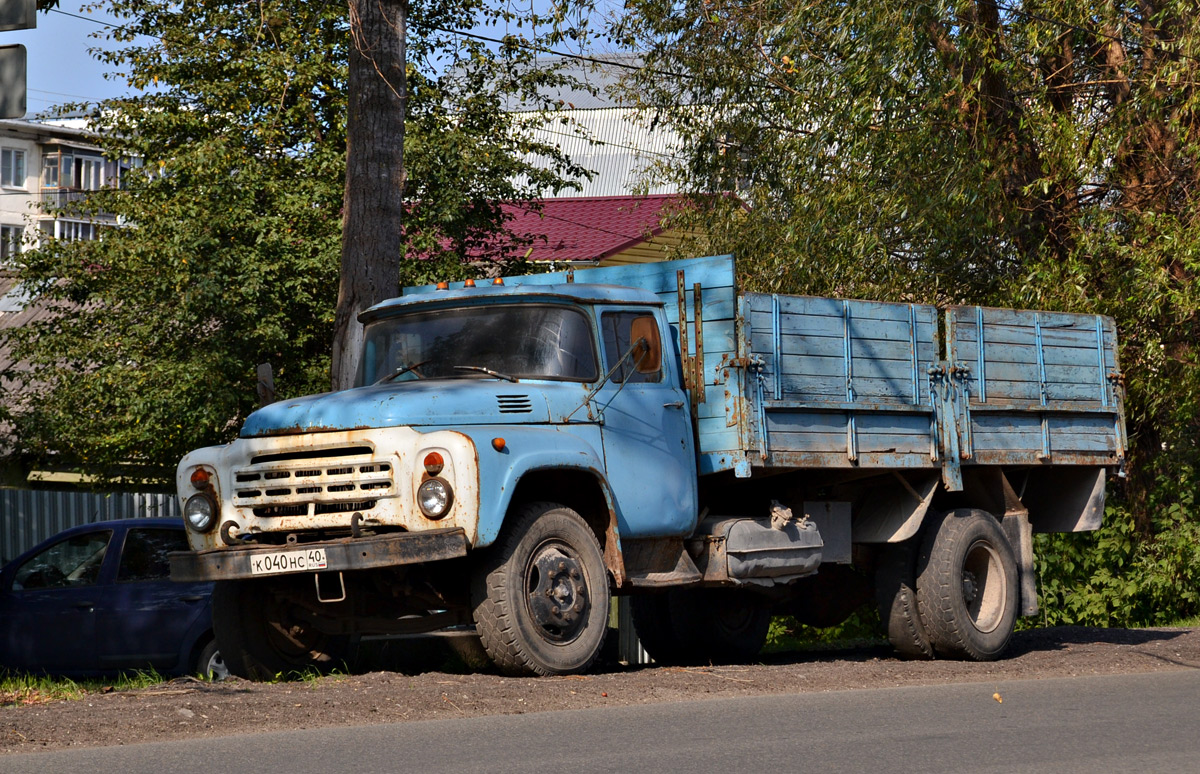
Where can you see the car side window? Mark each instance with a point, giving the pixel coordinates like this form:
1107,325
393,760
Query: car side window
615,328
72,562
145,554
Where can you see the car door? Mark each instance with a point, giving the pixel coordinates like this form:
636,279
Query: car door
146,620
649,451
48,605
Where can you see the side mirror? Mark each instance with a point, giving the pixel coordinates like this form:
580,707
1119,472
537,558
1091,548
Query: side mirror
647,353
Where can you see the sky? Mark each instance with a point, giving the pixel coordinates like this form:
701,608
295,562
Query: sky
60,70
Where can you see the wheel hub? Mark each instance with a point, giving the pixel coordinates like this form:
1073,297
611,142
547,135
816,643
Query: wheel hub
557,592
970,587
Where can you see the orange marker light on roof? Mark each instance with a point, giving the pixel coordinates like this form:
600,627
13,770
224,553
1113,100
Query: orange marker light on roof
498,281
443,285
434,463
470,283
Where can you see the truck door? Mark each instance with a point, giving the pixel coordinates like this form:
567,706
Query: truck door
647,436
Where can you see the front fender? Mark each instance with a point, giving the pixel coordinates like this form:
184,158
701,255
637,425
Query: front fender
527,449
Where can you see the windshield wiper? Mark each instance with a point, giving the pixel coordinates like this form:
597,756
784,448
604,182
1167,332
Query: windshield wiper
405,369
487,371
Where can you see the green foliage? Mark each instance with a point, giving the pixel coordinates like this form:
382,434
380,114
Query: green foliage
1025,154
861,628
224,248
1119,576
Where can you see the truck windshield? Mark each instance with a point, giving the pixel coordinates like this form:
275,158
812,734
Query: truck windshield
518,341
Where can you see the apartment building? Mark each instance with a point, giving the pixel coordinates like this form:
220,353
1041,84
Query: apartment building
45,164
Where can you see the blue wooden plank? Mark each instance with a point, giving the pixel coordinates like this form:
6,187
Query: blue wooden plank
716,306
817,306
802,388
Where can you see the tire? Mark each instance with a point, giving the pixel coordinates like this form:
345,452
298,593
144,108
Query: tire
655,629
727,626
967,586
209,663
263,633
896,596
540,596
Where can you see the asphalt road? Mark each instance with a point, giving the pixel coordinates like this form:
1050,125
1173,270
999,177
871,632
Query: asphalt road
1125,723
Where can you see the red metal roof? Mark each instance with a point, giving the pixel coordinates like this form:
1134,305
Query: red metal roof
588,228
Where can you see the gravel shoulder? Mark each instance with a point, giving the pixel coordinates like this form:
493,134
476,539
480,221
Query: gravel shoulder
188,708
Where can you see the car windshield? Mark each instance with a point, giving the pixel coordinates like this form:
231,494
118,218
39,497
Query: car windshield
515,341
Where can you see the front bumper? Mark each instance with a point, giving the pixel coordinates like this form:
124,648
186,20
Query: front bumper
392,550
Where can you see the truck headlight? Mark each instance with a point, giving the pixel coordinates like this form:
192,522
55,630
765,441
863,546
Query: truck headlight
434,498
200,512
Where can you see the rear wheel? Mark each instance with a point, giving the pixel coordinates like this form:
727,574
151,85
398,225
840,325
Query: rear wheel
967,588
541,596
655,629
263,629
896,595
702,626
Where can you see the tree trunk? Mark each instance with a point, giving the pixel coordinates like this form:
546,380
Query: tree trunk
374,198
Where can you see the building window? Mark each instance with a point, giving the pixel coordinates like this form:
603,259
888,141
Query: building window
71,230
10,242
12,168
50,171
87,173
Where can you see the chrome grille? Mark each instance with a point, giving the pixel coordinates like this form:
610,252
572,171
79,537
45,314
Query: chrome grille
318,482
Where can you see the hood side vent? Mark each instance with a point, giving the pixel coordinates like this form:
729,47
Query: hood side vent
514,404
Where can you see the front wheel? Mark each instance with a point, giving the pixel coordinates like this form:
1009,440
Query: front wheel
967,586
264,630
540,597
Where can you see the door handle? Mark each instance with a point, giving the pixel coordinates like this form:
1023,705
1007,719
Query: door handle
192,598
84,605
674,404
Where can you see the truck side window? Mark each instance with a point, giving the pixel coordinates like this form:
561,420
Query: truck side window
615,331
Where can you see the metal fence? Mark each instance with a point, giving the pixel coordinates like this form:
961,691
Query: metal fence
28,517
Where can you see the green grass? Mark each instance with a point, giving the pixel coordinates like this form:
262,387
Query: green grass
17,688
1193,621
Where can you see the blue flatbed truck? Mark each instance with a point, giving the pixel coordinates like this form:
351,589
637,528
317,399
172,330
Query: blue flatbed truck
516,453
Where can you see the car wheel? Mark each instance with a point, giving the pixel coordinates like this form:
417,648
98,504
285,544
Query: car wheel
209,663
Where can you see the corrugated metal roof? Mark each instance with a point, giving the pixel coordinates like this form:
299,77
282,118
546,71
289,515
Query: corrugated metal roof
618,145
589,228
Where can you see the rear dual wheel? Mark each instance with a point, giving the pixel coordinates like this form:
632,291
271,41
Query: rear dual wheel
701,626
957,595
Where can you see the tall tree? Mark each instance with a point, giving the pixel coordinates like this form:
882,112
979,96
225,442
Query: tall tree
372,230
1015,152
221,249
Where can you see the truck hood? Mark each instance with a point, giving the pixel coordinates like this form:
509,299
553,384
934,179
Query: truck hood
417,403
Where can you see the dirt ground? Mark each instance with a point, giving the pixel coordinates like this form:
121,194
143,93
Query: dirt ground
189,708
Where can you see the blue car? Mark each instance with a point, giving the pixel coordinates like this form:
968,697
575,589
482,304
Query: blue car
98,599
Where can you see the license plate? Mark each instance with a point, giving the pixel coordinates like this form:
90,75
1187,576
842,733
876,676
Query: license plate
288,561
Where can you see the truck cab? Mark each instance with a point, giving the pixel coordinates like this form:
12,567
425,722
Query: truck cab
469,405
